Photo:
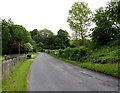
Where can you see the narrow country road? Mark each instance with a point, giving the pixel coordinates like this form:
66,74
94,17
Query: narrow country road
50,74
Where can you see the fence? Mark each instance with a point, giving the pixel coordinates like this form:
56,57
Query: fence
9,65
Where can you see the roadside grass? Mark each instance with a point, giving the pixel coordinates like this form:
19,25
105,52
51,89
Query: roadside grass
2,58
34,55
17,80
110,69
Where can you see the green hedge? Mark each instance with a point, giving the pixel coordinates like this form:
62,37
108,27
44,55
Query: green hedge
75,54
106,54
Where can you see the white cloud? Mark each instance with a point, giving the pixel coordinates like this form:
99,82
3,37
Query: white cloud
40,14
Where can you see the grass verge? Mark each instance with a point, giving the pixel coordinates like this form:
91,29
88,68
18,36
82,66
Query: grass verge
2,58
110,69
34,55
17,80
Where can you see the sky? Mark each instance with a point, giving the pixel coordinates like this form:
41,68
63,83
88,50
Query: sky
40,14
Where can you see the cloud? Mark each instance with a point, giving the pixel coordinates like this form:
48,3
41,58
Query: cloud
40,14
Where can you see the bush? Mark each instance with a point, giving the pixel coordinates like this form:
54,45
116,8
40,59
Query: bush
80,53
42,50
61,53
103,55
74,53
114,43
68,53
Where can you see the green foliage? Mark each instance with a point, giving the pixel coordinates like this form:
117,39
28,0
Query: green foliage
104,55
61,52
79,20
28,47
87,42
114,11
17,79
33,55
6,37
110,69
42,38
12,33
33,33
79,53
68,53
114,43
71,53
41,50
47,40
107,25
63,39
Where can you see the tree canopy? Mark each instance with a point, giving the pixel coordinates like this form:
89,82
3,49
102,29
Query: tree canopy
79,19
12,33
107,26
47,40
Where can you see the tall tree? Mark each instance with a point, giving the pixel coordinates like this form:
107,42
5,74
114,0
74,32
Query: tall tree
12,33
63,38
28,47
6,37
43,38
33,33
79,20
105,30
113,8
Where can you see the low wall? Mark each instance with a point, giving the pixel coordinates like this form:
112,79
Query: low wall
9,65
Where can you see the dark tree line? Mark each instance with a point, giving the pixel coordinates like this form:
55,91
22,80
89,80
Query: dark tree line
14,35
107,20
16,39
45,39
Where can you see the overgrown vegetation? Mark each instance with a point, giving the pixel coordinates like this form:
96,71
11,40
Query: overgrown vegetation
105,59
110,69
14,38
106,54
102,53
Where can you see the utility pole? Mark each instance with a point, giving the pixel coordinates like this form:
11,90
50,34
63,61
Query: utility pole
19,48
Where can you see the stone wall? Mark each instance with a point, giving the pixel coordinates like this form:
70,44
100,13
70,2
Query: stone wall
9,65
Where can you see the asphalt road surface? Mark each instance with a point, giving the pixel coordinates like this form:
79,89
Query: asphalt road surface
50,74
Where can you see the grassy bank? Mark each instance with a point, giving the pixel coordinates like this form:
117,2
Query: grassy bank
110,69
33,55
17,80
2,58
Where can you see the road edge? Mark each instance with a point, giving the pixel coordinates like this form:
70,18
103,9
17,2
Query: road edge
84,67
29,76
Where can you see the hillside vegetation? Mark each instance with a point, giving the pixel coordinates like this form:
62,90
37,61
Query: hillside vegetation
104,59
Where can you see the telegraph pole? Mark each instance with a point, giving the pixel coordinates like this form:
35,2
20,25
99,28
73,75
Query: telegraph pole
19,48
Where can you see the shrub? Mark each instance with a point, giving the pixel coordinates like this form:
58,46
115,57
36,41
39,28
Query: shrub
68,53
75,54
114,43
42,50
61,53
